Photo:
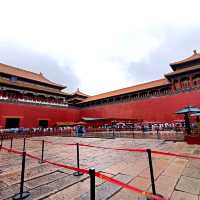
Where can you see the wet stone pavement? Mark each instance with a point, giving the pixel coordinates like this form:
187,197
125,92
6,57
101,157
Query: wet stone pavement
175,178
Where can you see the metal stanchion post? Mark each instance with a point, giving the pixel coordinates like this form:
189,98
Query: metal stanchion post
1,142
92,183
42,156
0,149
152,175
151,171
77,150
24,145
113,134
22,194
11,143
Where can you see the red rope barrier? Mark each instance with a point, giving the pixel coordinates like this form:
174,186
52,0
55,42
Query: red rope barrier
145,150
175,154
12,150
97,174
126,186
127,149
53,143
118,149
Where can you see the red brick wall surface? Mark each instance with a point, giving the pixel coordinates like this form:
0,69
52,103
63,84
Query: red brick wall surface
30,114
153,109
160,109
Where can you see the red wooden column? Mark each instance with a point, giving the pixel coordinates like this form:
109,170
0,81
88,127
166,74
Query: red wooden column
179,83
173,86
191,82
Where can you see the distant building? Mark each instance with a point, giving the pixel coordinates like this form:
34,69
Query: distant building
28,99
152,101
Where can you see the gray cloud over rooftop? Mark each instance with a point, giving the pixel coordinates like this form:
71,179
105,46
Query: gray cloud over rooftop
177,45
23,57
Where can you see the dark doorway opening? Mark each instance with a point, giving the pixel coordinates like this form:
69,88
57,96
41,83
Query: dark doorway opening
43,123
12,123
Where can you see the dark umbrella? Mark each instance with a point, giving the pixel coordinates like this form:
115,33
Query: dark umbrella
186,111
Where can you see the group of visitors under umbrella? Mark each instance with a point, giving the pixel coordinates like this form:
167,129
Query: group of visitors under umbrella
190,111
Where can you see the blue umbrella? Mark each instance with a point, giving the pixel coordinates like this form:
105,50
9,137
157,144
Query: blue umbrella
188,109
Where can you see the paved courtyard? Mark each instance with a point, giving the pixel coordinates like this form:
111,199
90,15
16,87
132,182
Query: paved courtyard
175,178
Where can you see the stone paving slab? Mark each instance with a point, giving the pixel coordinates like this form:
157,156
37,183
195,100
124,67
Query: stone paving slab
5,167
3,185
189,185
76,190
106,190
10,191
72,192
192,172
165,185
168,170
132,169
14,177
178,195
53,187
157,172
45,179
139,182
175,169
194,164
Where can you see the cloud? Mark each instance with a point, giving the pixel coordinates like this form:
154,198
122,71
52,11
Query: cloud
98,45
177,44
15,55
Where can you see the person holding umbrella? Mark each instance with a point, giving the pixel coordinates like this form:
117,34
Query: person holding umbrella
186,111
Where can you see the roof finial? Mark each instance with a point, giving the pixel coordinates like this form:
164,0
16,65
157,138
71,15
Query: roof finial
195,51
78,90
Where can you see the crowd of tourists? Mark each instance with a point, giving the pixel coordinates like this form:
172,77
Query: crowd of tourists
147,126
82,130
34,130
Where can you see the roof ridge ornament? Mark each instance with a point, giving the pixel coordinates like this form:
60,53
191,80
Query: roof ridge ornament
195,51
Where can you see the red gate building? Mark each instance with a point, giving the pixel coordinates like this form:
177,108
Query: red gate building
28,99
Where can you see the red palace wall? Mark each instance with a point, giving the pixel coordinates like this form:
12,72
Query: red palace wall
30,115
161,109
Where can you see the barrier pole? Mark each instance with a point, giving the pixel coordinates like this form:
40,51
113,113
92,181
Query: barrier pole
22,194
77,154
133,133
113,133
0,149
1,141
92,183
24,145
11,142
42,156
151,171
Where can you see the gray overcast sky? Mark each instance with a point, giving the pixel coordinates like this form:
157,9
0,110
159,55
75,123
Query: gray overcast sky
98,45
